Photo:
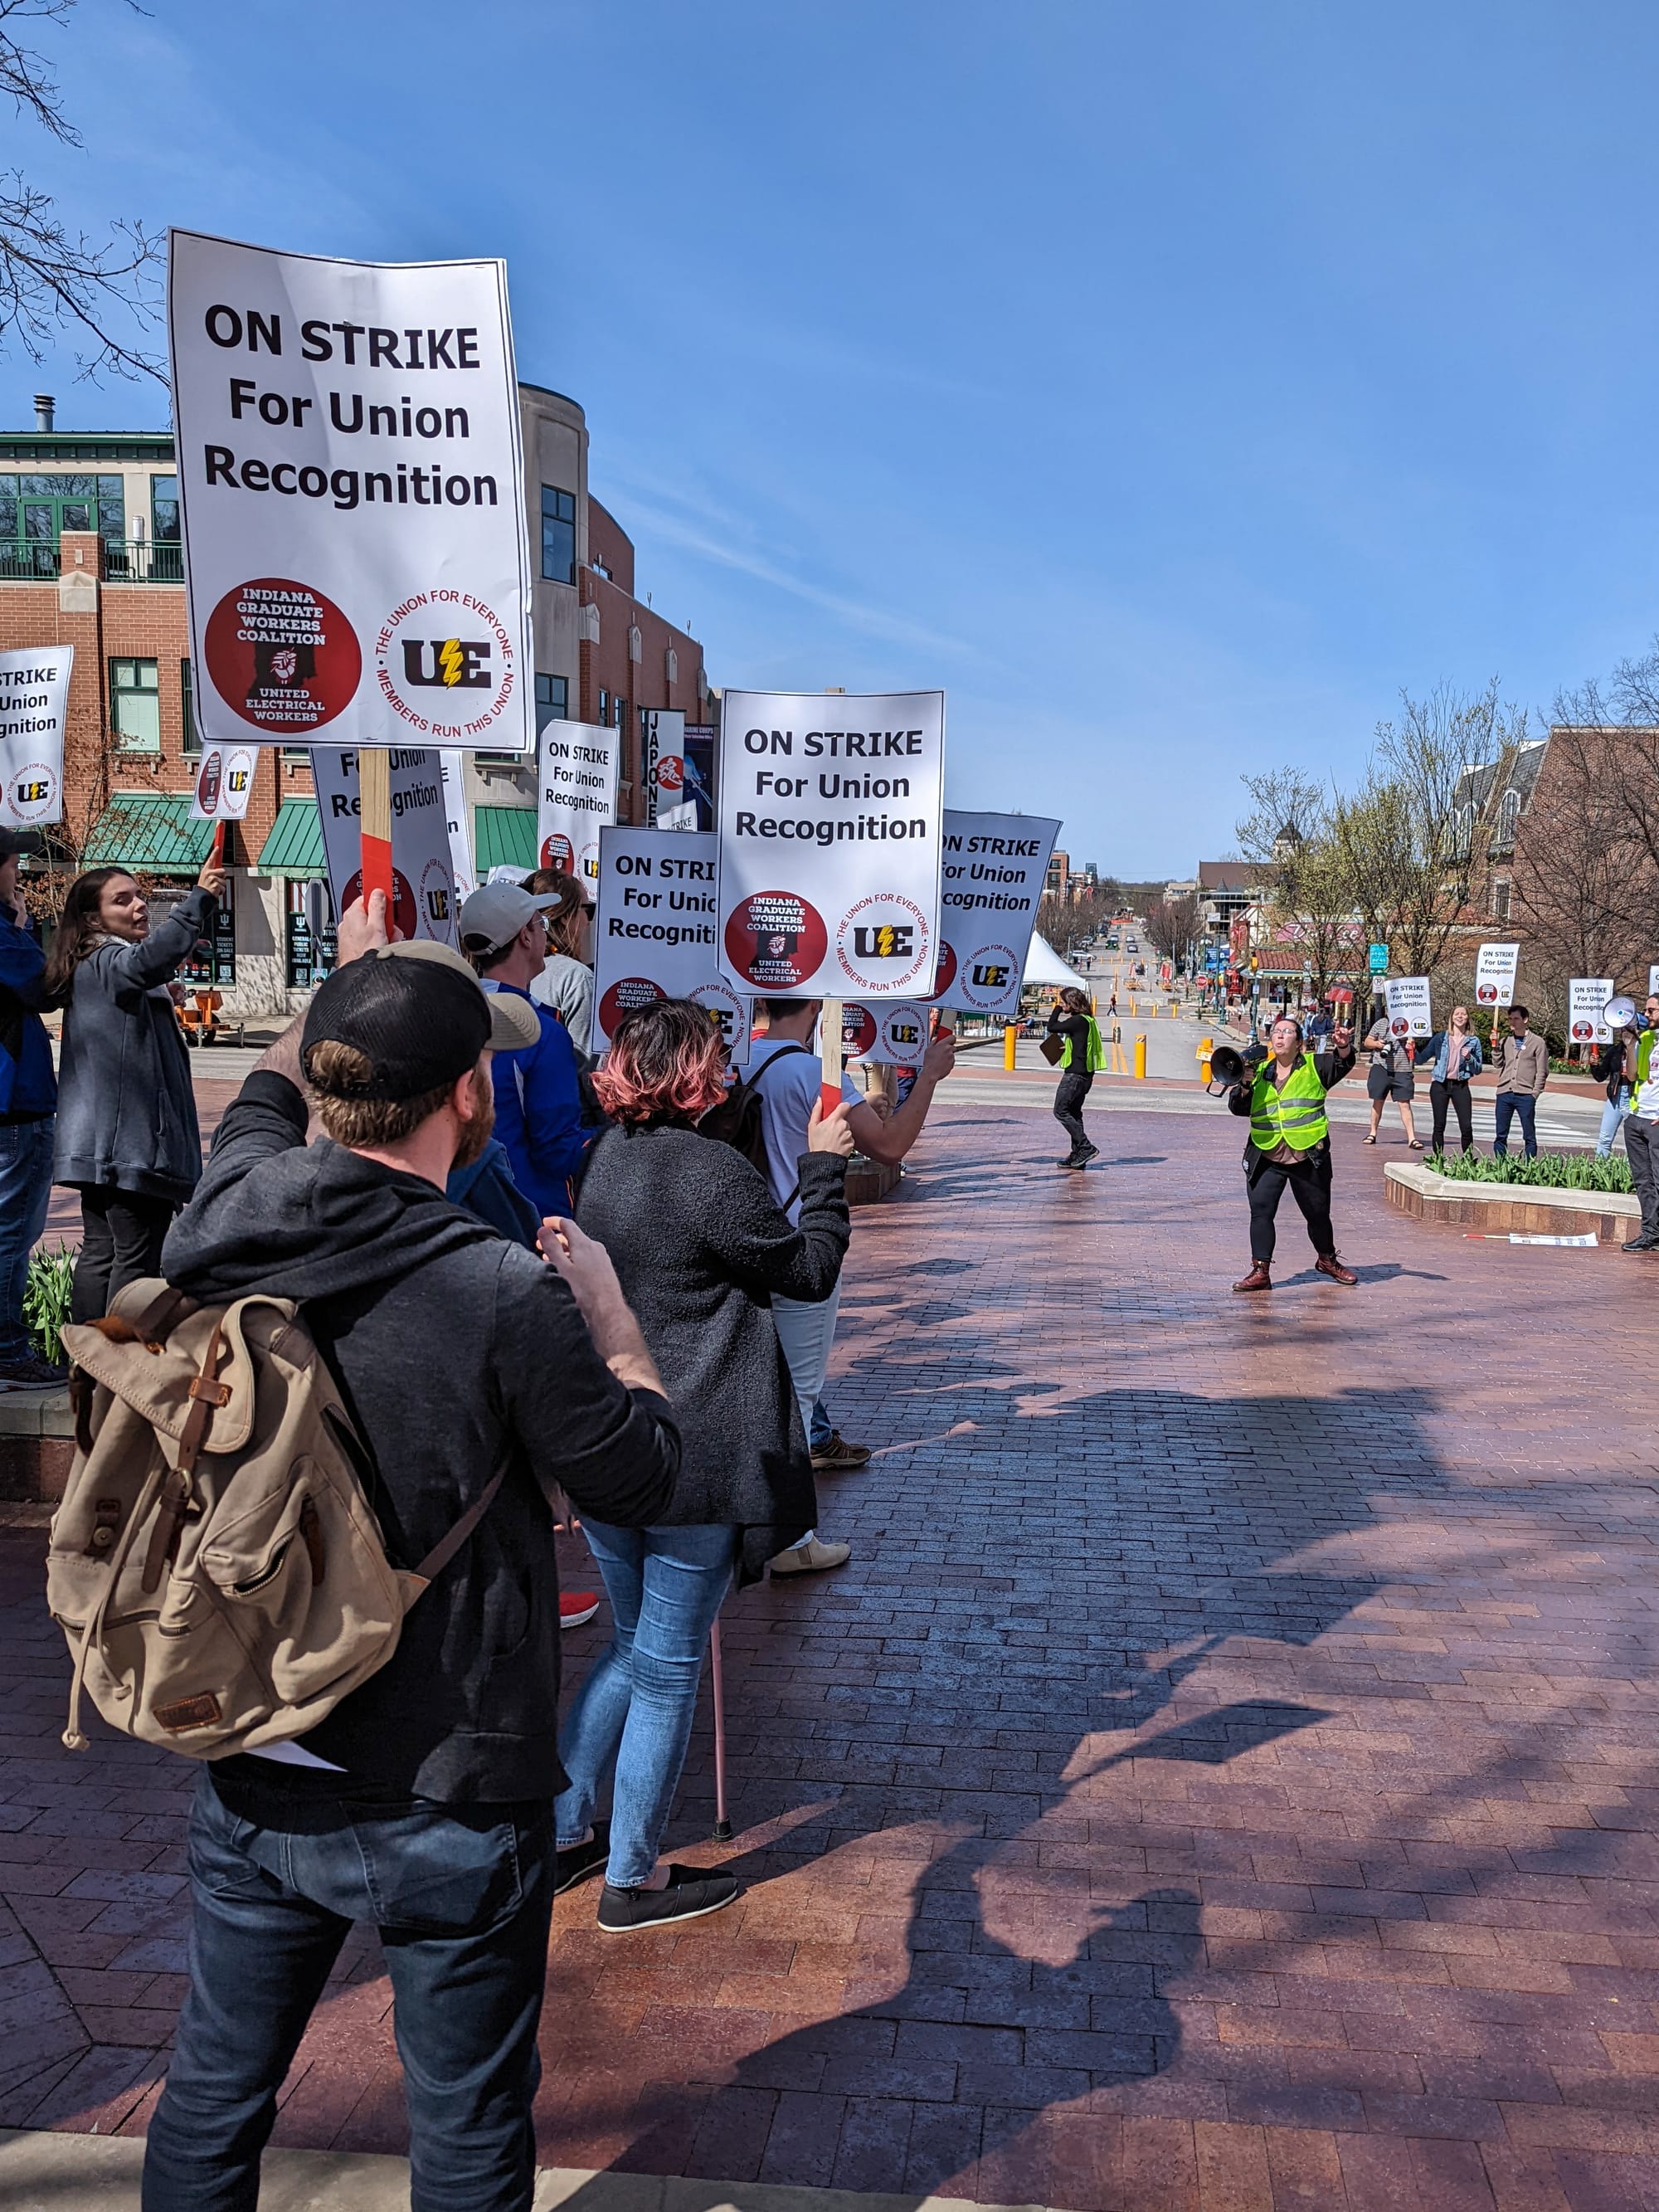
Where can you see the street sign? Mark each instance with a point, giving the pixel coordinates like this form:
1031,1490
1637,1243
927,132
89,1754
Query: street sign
1379,959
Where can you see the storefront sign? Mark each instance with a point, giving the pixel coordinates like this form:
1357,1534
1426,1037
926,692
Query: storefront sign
994,868
664,761
423,900
654,935
576,788
33,705
829,830
356,551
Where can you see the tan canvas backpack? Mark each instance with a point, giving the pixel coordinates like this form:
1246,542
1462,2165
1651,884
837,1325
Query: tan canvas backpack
215,1563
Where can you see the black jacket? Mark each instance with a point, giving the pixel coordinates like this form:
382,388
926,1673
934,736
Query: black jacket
1329,1066
1607,1067
457,1352
699,1244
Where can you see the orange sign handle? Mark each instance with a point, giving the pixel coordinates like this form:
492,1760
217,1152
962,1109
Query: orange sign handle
217,856
375,822
830,1056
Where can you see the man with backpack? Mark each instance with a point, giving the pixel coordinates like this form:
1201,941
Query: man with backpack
423,1801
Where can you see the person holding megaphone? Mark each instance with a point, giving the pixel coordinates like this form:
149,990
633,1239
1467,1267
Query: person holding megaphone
1282,1091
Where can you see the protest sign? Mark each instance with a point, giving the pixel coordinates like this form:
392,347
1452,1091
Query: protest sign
829,821
664,761
350,460
994,868
1494,975
1653,979
1408,1006
224,783
576,796
654,935
34,703
891,1034
1586,996
423,901
452,771
683,817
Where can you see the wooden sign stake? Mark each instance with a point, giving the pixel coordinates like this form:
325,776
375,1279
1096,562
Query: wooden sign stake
374,823
830,1055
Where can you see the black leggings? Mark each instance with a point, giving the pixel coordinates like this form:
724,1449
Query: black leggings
121,1237
1073,1088
1310,1187
1456,1096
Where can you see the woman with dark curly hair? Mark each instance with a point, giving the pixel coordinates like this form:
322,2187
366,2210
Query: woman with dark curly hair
699,1244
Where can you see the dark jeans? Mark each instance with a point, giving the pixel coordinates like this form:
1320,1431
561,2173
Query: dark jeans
1309,1186
24,1189
1508,1104
462,1896
1642,1144
1456,1096
121,1237
1073,1088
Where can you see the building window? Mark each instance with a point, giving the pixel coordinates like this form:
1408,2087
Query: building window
558,535
135,705
605,708
192,736
1508,813
1500,898
164,509
619,713
552,700
35,509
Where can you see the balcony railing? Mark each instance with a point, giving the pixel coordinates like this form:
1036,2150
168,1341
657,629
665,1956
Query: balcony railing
144,561
29,560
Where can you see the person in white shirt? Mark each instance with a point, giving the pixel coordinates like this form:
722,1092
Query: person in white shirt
565,986
787,1093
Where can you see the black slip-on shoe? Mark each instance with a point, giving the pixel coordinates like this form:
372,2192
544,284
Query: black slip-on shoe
690,1894
582,1860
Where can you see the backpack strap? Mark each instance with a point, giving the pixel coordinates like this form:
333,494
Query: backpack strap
752,1082
445,1548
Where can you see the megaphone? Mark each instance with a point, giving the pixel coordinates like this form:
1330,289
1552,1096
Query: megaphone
1620,1013
1226,1068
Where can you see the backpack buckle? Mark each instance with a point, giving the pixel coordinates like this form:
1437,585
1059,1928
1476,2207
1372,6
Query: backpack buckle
216,1394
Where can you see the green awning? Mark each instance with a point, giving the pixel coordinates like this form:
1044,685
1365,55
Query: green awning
150,830
503,837
294,847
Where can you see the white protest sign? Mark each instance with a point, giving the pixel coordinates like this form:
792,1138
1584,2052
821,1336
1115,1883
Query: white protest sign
664,761
224,783
424,900
828,828
462,867
1653,980
891,1034
654,935
576,795
1408,1006
1494,975
683,817
356,551
33,705
1586,996
994,868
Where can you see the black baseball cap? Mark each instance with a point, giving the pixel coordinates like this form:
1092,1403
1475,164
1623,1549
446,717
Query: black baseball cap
418,1015
21,840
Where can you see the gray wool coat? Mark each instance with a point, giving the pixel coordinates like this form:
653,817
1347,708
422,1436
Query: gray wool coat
126,1112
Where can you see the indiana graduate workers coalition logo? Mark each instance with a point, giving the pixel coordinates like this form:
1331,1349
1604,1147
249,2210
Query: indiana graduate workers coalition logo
445,662
776,939
623,996
282,656
883,941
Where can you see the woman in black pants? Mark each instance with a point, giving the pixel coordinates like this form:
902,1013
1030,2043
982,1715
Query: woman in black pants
1072,1020
127,1135
1454,1055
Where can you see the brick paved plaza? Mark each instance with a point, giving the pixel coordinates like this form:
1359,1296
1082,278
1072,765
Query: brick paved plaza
1225,1776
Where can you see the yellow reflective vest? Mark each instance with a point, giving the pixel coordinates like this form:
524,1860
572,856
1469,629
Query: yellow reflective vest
1294,1115
1096,1052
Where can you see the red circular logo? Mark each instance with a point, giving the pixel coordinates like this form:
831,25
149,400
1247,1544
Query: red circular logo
405,915
776,939
1400,1026
622,998
557,852
670,772
946,973
1583,1031
858,1029
282,656
1487,994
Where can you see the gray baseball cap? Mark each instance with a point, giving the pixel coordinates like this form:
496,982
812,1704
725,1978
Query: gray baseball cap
495,915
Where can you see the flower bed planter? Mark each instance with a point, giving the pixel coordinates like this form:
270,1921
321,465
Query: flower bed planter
1496,1208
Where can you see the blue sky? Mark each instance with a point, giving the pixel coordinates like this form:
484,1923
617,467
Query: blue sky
1172,383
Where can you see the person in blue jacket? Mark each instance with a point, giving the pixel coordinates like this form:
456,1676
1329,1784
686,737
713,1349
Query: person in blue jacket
28,1108
539,1100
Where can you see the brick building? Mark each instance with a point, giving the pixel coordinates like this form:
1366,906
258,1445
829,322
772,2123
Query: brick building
90,555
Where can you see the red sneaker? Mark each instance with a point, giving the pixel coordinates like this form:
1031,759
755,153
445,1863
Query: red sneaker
576,1606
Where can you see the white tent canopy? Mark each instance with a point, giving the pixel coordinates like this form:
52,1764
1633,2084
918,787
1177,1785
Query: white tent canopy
1044,965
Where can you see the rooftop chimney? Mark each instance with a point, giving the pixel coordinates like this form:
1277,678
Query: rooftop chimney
44,409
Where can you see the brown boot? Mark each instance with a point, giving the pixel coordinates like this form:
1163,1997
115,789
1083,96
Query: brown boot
1328,1264
1258,1278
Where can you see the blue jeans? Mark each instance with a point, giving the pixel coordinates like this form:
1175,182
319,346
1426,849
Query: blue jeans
1612,1119
1506,1105
635,1710
462,1894
24,1189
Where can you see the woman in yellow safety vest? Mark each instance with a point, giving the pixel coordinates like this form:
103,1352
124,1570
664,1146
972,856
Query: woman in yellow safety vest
1074,1020
1289,1146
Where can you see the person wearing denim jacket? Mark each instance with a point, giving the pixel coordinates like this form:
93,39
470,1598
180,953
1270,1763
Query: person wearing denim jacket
1454,1055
